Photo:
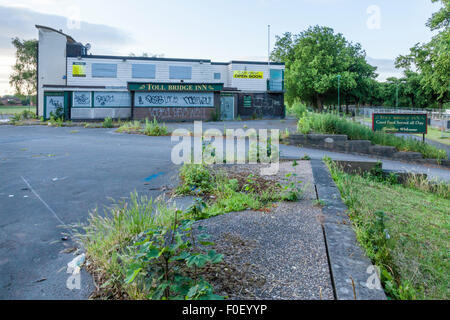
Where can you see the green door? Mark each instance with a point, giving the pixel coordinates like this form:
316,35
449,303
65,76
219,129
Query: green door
227,107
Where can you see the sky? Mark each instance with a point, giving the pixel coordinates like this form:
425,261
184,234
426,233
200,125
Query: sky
217,30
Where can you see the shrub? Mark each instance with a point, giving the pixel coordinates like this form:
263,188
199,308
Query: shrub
297,110
164,259
108,123
57,115
196,179
153,128
24,115
145,250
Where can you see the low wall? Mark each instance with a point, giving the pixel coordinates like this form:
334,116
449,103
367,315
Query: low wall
174,114
341,143
99,113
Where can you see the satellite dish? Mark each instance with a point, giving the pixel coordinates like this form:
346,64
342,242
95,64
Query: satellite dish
88,46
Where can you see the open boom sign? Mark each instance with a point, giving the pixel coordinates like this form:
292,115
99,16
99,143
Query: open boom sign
248,75
415,123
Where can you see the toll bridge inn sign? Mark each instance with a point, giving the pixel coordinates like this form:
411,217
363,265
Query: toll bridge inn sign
400,123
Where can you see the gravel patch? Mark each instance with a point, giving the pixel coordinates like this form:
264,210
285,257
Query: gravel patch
275,255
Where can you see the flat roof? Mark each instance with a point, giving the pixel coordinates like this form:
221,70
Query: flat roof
178,60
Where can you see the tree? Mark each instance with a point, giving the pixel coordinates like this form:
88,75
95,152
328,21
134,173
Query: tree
432,59
24,76
314,58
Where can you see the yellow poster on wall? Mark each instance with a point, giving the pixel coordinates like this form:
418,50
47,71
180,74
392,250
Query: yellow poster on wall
248,75
79,69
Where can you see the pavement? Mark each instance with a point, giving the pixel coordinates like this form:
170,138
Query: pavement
52,177
285,246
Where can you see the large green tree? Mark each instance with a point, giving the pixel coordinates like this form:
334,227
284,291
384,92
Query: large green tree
432,59
314,59
24,76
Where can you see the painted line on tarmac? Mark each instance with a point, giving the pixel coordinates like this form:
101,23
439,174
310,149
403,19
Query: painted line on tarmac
45,203
153,176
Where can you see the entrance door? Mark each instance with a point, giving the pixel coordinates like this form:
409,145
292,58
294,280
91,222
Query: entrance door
227,108
55,103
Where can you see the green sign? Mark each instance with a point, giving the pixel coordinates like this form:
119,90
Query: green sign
400,123
247,101
179,87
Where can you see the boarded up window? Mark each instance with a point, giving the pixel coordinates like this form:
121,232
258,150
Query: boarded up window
180,72
144,71
112,99
276,80
81,99
217,76
104,70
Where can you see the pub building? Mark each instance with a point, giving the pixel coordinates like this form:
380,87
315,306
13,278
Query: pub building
94,87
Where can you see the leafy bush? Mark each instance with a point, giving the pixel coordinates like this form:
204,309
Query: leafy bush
57,115
145,250
160,262
196,179
303,126
297,110
108,122
333,124
153,128
24,115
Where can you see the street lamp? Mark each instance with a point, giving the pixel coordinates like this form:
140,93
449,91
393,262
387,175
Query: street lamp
339,92
396,95
398,83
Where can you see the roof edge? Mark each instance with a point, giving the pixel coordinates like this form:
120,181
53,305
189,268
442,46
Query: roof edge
69,38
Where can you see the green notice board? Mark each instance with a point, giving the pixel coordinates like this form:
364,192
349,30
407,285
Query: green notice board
400,123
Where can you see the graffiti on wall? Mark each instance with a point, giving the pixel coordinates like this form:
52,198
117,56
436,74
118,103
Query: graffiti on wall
105,99
81,99
174,99
112,99
54,103
173,113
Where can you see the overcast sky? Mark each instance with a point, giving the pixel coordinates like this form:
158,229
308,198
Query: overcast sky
217,30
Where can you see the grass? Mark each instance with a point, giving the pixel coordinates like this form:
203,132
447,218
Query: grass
130,127
150,128
16,109
107,237
22,116
333,124
296,110
223,193
153,128
404,229
436,135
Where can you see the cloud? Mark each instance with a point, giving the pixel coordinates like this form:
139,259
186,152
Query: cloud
20,22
